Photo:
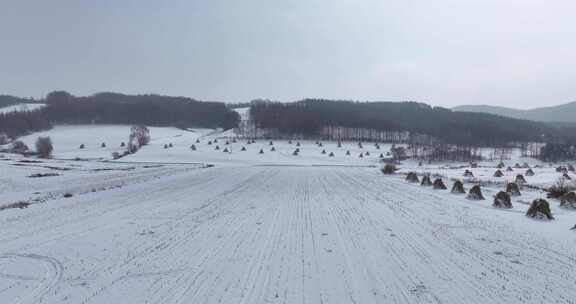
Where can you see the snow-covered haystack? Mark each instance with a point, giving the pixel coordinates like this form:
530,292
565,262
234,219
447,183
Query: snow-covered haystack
525,166
468,173
438,184
331,154
500,165
540,209
458,188
568,200
475,193
426,181
520,180
530,172
498,173
517,166
502,200
513,189
509,169
412,177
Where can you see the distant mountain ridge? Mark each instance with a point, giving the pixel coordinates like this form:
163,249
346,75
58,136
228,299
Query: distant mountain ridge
565,113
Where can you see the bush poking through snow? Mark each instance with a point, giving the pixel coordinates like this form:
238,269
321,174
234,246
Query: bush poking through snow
502,200
561,169
513,189
498,173
193,147
468,173
509,169
139,137
261,151
388,169
226,150
520,180
568,200
347,152
295,153
458,188
103,145
19,147
44,147
323,151
68,195
331,154
439,185
197,140
217,147
243,148
165,146
122,144
540,209
500,165
559,189
381,155
412,177
82,146
526,166
273,149
361,155
517,166
530,172
475,193
426,181
566,176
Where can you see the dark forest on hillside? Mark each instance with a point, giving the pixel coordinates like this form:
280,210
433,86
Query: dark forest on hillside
310,116
113,108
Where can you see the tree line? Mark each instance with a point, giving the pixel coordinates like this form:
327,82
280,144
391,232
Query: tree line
315,117
113,108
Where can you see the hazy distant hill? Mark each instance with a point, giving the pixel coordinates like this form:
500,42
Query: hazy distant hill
560,113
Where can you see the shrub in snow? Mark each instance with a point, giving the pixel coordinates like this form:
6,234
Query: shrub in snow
438,184
165,146
271,143
500,165
377,146
517,166
559,189
520,179
295,153
502,200
226,143
19,147
44,147
509,169
116,155
475,193
289,142
67,195
323,151
4,139
468,173
513,189
197,140
361,155
540,209
82,146
193,147
571,168
530,172
566,176
412,177
458,188
243,148
320,144
426,180
339,144
170,145
347,152
261,151
209,142
103,145
226,150
498,173
473,165
215,140
525,166
561,169
360,145
122,144
388,169
217,147
139,137
331,154
234,140
568,200
298,144
273,149
381,155
367,153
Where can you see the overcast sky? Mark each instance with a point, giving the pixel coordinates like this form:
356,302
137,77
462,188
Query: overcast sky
518,53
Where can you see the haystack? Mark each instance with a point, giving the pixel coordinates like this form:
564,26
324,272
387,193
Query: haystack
498,173
458,188
520,179
412,177
468,173
513,189
502,200
426,181
475,193
530,172
438,184
540,209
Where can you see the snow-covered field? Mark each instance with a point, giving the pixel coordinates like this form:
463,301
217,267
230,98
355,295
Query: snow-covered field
160,226
21,107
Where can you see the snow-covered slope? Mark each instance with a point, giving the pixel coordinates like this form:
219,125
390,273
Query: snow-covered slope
21,107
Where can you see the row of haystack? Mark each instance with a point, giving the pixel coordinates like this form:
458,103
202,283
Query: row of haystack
540,208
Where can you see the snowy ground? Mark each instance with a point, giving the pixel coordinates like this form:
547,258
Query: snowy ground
21,107
161,227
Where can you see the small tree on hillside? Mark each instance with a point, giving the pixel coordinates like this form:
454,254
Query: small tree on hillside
139,136
44,147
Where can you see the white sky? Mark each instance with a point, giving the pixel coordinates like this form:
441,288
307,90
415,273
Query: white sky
519,53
